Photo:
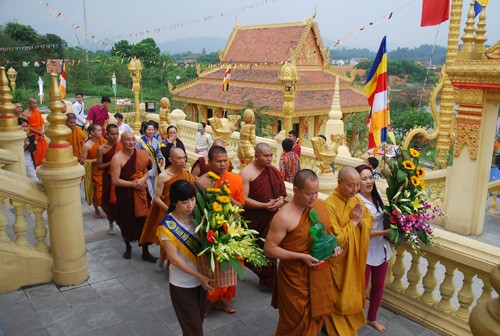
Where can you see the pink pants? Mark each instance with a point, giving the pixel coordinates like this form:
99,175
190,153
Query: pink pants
377,289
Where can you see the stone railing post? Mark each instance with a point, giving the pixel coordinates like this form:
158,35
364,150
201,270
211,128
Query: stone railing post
485,317
11,135
61,175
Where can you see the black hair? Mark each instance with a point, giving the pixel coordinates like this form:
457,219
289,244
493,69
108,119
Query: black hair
294,133
105,99
20,121
110,126
203,124
91,128
118,116
322,136
170,127
377,200
215,150
180,190
373,162
144,125
287,145
154,123
78,94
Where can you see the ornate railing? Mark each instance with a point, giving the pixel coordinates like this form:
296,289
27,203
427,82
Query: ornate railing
493,192
25,252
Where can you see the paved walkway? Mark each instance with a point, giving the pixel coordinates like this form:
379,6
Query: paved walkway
127,297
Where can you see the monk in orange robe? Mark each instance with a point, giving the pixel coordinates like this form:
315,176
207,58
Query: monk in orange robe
351,222
217,164
264,192
36,123
303,292
89,154
159,208
105,153
77,137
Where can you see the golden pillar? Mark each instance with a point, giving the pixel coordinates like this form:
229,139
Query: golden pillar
447,97
485,317
135,68
61,175
12,74
11,135
288,76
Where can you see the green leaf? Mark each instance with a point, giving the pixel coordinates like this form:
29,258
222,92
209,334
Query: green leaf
398,240
401,176
237,268
422,235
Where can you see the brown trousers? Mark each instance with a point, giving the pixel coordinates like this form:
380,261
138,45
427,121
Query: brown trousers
189,304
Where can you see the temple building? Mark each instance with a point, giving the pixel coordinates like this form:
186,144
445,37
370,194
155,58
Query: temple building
281,69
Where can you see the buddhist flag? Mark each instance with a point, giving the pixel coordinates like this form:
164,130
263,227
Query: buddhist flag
227,79
479,5
434,12
376,92
62,85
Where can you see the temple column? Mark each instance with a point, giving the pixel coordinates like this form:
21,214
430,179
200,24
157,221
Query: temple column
303,124
275,126
288,76
61,175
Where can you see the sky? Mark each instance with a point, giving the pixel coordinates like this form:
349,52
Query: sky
338,20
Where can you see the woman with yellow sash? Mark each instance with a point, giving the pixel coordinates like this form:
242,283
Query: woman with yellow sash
148,143
188,287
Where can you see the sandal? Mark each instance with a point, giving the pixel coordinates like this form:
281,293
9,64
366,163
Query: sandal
221,305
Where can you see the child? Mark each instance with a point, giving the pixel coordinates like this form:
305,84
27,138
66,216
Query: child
29,147
187,286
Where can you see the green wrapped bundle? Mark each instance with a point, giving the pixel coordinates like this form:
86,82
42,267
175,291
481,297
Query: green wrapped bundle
323,245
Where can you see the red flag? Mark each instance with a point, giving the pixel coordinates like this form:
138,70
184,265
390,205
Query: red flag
434,12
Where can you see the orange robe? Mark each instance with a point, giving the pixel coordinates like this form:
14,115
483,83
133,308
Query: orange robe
302,294
76,140
36,121
156,213
96,173
348,270
236,187
108,188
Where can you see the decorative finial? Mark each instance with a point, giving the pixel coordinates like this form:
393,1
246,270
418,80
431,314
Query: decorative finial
8,121
314,13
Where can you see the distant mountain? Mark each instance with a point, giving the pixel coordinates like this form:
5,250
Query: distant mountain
193,44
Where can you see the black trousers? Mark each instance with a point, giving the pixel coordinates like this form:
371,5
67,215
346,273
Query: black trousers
189,304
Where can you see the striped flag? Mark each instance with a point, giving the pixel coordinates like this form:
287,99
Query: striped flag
62,85
227,79
376,92
478,6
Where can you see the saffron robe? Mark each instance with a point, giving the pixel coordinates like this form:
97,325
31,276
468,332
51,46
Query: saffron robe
96,173
302,294
132,205
36,121
205,167
348,270
236,187
108,189
76,140
268,185
156,213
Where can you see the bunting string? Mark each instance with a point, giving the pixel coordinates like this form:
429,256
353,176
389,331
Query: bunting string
35,47
385,17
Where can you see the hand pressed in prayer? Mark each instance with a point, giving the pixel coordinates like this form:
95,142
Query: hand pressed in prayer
357,214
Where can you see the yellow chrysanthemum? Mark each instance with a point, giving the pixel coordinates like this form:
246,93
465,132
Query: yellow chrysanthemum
223,199
213,190
422,184
408,165
226,189
214,176
216,207
420,172
414,153
415,181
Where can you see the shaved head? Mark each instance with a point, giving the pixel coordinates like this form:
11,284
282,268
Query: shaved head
300,178
348,182
175,151
219,143
261,147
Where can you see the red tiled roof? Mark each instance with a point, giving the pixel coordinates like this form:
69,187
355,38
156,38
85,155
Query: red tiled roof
265,44
304,100
270,75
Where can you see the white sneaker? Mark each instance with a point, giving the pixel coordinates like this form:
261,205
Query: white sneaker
159,265
111,230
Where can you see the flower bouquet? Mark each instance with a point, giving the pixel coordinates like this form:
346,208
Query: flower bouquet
409,211
225,237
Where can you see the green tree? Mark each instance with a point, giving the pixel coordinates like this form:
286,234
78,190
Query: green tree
21,33
356,132
122,48
406,119
147,50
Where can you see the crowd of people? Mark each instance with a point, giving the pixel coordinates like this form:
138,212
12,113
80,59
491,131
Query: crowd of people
143,185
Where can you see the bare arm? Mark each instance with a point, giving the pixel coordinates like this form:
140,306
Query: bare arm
250,202
115,170
85,152
375,233
177,261
100,164
160,184
278,231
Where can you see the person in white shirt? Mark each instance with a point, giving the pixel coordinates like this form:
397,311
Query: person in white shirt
379,251
123,127
79,110
203,140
